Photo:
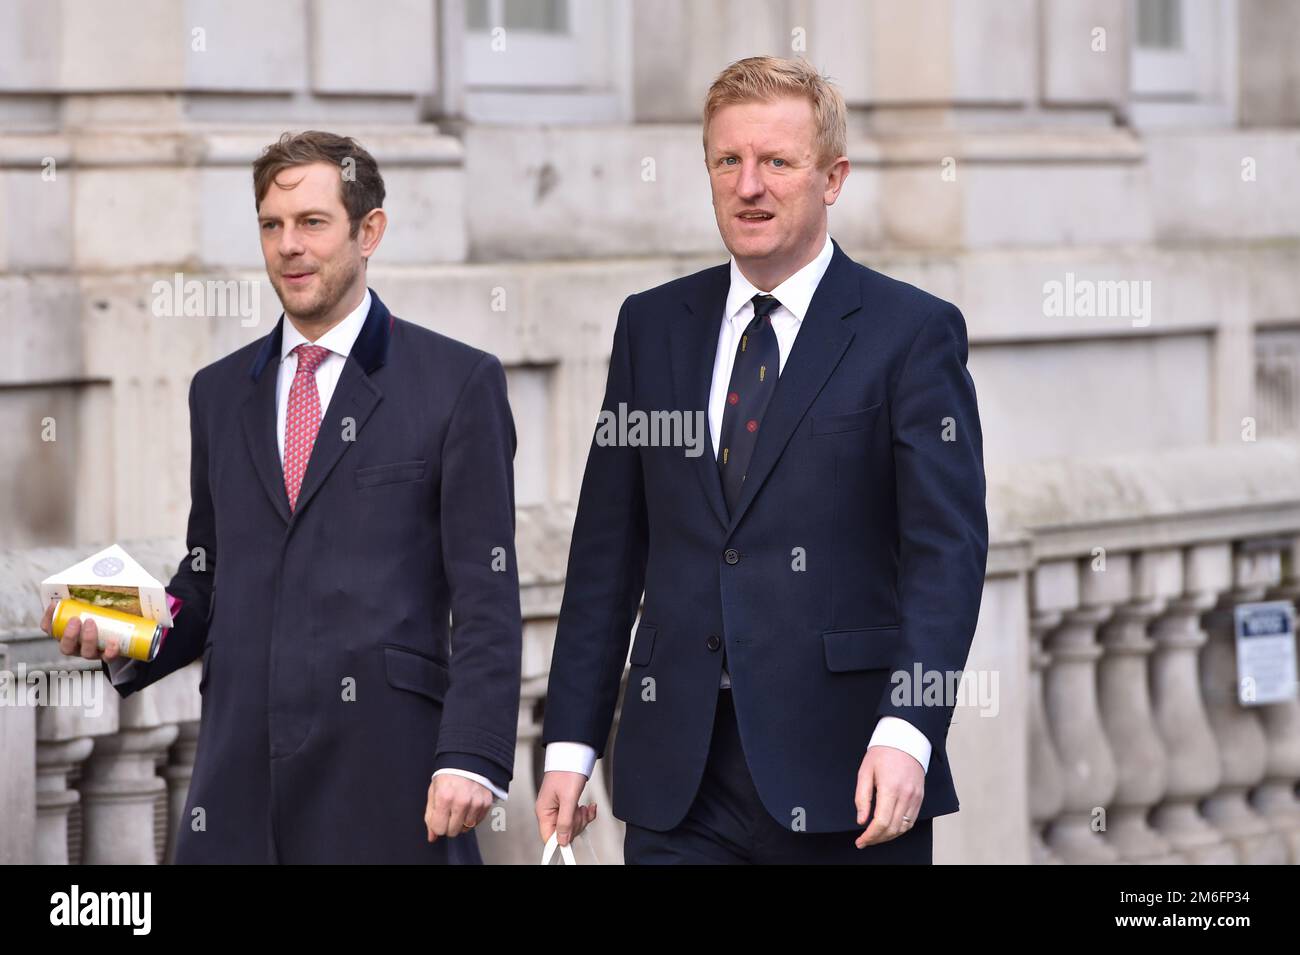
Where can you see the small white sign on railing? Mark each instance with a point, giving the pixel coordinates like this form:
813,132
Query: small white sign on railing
1266,653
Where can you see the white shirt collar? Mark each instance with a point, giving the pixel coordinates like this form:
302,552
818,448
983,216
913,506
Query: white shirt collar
795,293
338,339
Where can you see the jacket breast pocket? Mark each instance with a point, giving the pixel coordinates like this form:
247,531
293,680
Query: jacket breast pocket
846,421
396,473
408,670
866,648
643,646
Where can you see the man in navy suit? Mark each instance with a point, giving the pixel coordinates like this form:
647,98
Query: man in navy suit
810,577
351,490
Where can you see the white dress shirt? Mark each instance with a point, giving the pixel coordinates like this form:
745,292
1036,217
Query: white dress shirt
795,294
339,340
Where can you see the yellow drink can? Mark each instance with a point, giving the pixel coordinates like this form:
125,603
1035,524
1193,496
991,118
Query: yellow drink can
137,637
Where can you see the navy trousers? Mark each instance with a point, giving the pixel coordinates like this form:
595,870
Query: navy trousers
727,823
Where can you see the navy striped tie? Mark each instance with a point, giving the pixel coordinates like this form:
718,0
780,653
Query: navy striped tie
753,379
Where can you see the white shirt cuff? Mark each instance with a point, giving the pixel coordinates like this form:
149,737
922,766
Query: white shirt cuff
900,734
570,758
481,780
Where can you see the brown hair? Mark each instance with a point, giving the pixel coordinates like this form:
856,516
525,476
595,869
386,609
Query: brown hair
765,78
362,188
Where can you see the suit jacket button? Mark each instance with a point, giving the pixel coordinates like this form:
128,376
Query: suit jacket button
714,643
732,556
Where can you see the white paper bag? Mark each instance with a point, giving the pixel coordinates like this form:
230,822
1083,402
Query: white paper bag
567,856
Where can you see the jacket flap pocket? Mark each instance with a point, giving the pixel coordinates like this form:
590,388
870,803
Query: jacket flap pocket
390,473
848,421
870,648
643,646
411,671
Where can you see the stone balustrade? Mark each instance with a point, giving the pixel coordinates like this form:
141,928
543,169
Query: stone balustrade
1109,601
1139,749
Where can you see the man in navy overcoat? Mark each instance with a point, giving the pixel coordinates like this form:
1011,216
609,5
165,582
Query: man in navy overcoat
350,582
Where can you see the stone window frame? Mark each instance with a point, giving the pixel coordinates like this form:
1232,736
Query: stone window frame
583,78
1192,86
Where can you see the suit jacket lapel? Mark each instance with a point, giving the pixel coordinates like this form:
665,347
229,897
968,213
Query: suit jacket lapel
258,414
694,334
817,349
355,396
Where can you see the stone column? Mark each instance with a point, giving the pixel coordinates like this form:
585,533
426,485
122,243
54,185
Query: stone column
119,792
1054,587
121,786
1130,725
1075,721
1046,789
1194,769
54,800
66,731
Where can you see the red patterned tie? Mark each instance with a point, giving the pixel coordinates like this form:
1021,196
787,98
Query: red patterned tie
302,419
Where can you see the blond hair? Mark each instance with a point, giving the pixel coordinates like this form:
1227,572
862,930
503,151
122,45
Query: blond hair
765,78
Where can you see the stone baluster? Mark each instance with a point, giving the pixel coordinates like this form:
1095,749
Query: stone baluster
120,786
66,730
1054,586
1194,768
1275,797
1075,721
54,799
1126,706
119,791
1237,728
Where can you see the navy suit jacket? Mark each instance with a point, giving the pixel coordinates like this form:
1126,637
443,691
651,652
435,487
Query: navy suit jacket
331,691
856,550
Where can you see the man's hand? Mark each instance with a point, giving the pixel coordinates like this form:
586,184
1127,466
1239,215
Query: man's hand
81,641
898,783
455,806
557,806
